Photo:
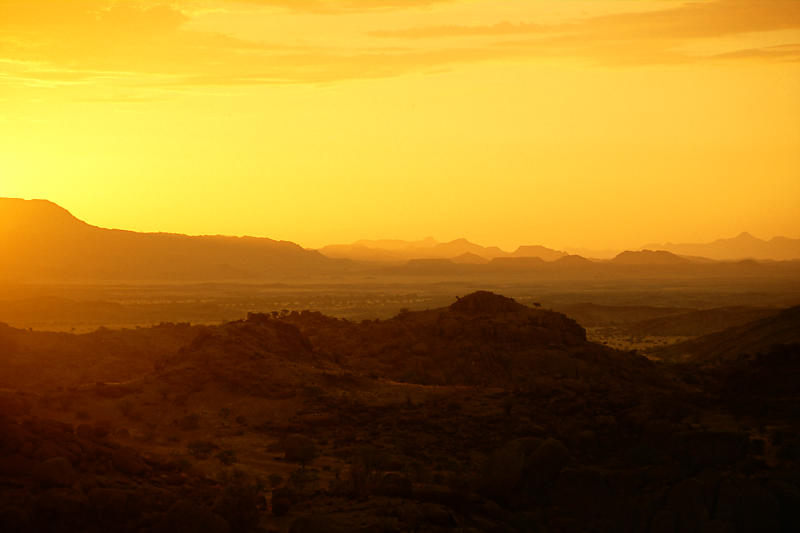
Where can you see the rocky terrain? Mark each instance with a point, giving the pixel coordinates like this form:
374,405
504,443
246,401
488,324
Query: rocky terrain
485,415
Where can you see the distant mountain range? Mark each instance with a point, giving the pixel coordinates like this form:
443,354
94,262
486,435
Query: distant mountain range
42,241
459,250
743,246
642,263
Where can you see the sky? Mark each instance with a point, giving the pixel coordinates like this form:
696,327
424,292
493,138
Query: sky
605,124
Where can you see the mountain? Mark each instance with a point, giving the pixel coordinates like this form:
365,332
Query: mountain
547,254
469,258
743,246
591,253
42,241
649,257
459,250
572,261
397,251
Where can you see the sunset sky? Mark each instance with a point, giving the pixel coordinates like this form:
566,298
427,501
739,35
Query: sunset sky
557,122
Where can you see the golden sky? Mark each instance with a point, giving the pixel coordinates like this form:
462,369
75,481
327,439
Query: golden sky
557,122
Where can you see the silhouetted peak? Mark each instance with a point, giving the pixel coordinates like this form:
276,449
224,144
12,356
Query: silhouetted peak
572,260
485,302
470,258
536,250
18,212
745,236
648,257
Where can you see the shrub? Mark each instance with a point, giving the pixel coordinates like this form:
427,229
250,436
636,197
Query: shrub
201,449
190,422
226,457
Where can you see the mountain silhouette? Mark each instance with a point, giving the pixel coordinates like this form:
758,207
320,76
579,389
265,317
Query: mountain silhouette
743,246
543,252
469,258
42,241
649,257
399,251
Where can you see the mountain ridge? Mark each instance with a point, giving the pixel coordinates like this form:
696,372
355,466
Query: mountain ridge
742,246
45,241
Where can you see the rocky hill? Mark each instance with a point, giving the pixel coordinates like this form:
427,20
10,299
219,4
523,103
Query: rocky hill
485,415
481,339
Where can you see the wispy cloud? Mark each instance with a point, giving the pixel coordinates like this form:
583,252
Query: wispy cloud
48,43
346,6
785,52
689,20
657,36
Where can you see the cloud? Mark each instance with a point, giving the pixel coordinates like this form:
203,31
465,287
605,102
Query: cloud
50,43
649,37
689,20
451,30
782,53
331,7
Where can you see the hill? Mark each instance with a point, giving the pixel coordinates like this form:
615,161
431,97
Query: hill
42,241
699,322
481,339
750,339
484,415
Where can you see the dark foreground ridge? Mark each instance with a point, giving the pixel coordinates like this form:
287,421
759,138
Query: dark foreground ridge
483,416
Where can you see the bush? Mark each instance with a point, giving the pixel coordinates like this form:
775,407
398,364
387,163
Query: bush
190,422
201,449
226,457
